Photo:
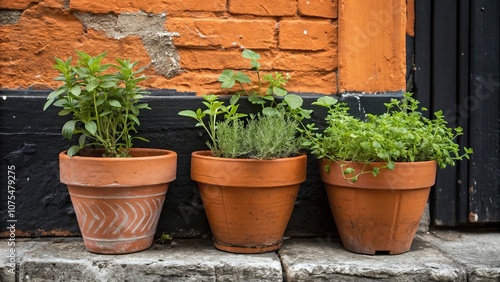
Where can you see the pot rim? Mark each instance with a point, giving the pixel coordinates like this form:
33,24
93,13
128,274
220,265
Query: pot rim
401,177
247,172
159,153
112,172
205,154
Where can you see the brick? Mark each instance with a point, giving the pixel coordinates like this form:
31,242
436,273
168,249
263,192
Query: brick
307,35
25,4
205,82
199,59
201,82
149,6
44,33
305,61
313,82
15,5
263,7
318,8
223,33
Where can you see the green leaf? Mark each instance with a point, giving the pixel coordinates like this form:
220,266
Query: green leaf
60,103
294,101
325,101
100,101
48,103
73,150
114,103
210,98
234,99
64,112
188,113
306,113
279,91
348,170
81,140
227,79
68,129
391,165
91,127
241,77
92,85
56,93
249,54
105,113
108,84
269,111
143,106
76,90
135,119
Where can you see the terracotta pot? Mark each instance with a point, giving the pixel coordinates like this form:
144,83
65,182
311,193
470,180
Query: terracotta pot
379,214
118,201
248,202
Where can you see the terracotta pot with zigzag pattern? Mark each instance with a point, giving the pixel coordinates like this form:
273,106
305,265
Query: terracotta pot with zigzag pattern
118,201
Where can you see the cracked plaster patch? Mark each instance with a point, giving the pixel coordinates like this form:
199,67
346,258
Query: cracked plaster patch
9,16
150,28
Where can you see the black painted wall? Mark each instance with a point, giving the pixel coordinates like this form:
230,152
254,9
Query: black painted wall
457,60
31,141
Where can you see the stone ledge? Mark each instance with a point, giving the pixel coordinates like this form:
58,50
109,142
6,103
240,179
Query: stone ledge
184,260
436,256
326,260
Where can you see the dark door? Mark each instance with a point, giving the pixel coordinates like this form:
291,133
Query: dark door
457,70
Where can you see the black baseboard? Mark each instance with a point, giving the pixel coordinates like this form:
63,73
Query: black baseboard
30,140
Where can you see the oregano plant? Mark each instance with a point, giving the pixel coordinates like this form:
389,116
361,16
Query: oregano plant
102,101
401,134
221,121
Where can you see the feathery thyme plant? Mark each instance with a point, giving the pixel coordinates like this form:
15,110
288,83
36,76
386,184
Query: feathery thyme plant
104,106
402,134
280,117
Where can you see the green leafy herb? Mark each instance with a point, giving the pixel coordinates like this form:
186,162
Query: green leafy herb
273,133
402,134
103,106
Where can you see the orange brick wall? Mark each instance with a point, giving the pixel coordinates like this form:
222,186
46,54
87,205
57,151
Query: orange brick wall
186,43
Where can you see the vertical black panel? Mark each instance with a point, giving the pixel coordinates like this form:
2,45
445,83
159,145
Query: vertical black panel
444,97
462,107
484,104
423,40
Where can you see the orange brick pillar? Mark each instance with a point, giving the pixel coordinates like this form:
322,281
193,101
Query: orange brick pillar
371,45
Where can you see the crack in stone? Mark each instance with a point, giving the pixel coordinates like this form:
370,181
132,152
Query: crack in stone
149,27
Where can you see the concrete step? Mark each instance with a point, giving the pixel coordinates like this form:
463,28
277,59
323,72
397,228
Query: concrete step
436,256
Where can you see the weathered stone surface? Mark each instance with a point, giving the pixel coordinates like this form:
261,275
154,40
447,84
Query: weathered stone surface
157,41
479,252
8,273
436,256
186,260
325,260
7,263
9,17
